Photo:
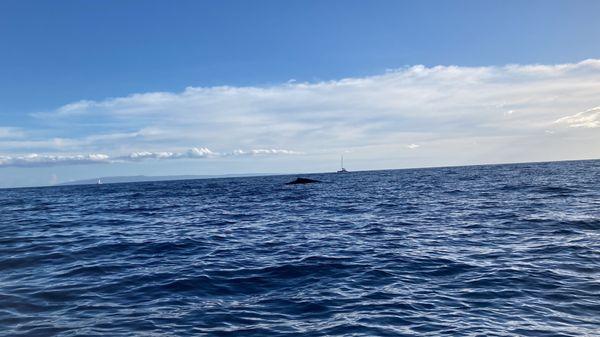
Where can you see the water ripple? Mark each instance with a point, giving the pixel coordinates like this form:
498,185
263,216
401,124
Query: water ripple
506,250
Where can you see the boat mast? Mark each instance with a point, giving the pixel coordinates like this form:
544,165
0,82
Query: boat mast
342,162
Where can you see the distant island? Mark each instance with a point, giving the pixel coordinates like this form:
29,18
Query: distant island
142,178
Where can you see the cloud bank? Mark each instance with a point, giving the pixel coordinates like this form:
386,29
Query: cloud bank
33,160
191,153
36,160
420,115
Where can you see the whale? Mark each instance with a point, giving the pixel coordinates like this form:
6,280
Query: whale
301,181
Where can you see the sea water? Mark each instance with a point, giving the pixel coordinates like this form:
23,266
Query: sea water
466,251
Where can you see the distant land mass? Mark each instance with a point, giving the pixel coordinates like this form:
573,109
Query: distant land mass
142,178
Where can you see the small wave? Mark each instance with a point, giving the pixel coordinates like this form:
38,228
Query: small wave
475,251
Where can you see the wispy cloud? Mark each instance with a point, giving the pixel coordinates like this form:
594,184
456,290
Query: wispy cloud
263,152
585,119
11,132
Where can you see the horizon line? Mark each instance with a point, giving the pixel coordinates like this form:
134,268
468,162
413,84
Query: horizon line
259,174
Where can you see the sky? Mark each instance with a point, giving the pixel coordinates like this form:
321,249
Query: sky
103,88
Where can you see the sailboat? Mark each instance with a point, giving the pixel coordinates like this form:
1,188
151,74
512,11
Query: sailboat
99,182
342,170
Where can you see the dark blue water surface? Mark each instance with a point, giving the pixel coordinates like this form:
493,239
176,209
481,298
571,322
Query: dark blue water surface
468,251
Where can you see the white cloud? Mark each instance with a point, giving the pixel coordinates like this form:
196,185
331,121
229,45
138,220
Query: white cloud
434,107
36,160
412,146
263,152
585,119
32,160
191,153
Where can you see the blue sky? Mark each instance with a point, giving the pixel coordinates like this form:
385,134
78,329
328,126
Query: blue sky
219,83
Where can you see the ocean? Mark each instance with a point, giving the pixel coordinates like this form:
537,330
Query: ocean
499,250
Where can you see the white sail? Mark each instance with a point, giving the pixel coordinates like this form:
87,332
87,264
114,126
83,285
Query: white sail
342,169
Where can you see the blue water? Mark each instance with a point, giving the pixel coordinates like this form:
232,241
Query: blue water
468,251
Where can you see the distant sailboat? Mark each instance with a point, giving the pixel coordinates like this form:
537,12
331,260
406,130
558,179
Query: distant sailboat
99,182
342,170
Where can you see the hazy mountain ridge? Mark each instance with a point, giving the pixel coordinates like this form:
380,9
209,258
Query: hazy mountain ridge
143,178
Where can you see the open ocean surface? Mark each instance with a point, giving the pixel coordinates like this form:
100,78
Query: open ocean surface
507,250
